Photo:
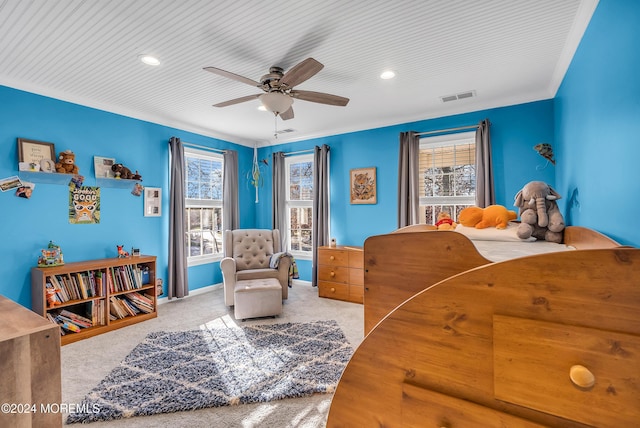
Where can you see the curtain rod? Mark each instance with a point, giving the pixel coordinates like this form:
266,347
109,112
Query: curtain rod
196,146
298,152
460,128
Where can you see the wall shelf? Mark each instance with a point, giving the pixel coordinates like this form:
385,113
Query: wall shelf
65,179
119,183
45,177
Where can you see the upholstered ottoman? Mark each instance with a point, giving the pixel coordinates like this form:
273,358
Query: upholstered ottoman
257,298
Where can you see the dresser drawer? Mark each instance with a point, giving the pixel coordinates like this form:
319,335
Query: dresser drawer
533,363
356,293
356,259
356,276
333,290
333,257
423,408
333,274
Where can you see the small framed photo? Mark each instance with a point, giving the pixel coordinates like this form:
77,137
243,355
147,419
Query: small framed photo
102,167
363,186
10,183
152,202
33,152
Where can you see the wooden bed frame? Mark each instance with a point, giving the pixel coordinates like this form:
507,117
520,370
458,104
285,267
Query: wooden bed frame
511,343
441,254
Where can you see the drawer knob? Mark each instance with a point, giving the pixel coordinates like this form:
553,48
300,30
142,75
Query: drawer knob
332,274
581,376
332,258
333,290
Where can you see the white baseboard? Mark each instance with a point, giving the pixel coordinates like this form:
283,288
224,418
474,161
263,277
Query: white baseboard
208,288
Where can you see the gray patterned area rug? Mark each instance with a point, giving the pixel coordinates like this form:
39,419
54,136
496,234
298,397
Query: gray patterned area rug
221,366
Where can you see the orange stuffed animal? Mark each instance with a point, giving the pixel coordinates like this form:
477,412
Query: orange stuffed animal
481,218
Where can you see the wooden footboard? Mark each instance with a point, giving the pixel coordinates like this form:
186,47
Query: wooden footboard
435,255
498,344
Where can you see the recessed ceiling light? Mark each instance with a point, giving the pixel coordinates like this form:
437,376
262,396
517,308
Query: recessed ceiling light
262,108
389,74
149,59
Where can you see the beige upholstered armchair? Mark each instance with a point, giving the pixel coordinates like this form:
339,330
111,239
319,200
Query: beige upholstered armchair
247,255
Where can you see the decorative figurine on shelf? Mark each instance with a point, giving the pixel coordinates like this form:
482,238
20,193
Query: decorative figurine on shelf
121,252
51,256
67,163
122,171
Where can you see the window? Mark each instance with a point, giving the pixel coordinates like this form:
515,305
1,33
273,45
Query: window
203,205
447,171
299,176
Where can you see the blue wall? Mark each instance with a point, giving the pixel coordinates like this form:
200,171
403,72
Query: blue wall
27,225
597,114
514,132
591,123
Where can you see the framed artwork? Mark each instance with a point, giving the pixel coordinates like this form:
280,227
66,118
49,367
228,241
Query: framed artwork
102,167
152,202
363,186
33,152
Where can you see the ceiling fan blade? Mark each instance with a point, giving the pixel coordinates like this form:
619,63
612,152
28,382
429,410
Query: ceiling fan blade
320,97
237,100
301,72
287,114
233,76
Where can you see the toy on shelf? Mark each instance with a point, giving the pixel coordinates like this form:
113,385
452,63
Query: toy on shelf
122,171
121,252
67,163
51,256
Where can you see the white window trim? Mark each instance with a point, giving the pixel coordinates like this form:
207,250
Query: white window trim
300,255
199,203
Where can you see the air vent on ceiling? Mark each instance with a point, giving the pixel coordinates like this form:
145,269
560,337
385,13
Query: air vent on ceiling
460,96
285,131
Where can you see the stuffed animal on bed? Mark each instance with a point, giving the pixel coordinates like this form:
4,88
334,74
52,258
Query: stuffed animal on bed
540,216
492,216
445,222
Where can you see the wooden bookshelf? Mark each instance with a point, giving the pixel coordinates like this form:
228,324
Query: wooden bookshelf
92,297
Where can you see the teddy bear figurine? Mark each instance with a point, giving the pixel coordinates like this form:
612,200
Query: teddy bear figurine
67,163
445,222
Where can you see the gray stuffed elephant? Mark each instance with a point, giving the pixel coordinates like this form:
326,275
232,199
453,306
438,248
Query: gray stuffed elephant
540,216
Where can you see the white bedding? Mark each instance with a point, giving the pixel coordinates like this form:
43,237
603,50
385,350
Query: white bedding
497,251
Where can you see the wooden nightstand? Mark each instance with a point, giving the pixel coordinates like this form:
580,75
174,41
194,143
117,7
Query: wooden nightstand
341,273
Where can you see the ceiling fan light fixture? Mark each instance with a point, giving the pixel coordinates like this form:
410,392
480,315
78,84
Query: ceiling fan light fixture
276,102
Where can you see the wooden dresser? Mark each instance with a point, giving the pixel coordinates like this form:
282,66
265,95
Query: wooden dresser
341,273
31,387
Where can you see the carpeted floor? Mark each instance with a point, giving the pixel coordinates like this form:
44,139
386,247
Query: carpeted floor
86,363
214,367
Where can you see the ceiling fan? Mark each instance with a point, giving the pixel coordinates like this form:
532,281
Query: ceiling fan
279,88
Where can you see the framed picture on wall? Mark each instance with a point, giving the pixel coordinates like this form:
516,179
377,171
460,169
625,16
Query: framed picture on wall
152,202
34,152
363,186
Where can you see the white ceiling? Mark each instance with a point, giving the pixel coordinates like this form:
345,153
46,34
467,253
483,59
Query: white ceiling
86,51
